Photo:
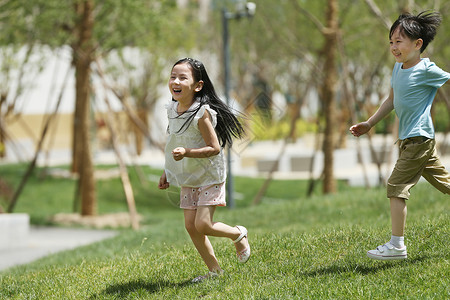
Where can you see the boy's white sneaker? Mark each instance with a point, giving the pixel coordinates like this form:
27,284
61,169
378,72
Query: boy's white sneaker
387,252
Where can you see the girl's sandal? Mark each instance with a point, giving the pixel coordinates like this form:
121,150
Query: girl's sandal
210,275
243,255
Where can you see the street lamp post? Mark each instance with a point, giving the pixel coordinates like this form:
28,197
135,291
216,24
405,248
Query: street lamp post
248,10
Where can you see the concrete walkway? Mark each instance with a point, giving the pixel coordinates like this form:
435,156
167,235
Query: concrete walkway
43,241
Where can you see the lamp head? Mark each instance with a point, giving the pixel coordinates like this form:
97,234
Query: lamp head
251,8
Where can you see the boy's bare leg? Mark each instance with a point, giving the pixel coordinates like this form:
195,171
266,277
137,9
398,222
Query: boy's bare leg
398,216
395,248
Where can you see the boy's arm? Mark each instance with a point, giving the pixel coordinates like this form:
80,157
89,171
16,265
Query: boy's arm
385,108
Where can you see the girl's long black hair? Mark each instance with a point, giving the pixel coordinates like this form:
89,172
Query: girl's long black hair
423,26
228,125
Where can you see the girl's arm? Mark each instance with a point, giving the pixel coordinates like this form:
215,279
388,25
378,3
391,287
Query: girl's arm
209,136
163,184
386,107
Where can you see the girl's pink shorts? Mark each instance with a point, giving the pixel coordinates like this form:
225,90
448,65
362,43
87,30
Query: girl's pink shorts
192,197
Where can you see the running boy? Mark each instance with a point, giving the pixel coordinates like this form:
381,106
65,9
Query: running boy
414,84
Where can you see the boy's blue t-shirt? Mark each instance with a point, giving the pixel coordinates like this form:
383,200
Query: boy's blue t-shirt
414,92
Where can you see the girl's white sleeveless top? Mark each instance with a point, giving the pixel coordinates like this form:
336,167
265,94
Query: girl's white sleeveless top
191,172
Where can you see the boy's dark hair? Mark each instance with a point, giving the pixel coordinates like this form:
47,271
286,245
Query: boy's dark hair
423,26
228,125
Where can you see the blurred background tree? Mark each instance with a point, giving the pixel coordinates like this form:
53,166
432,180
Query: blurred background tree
91,29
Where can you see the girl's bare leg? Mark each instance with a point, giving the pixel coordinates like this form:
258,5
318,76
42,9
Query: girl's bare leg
205,224
201,241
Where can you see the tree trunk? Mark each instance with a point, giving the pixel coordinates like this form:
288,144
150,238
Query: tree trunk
76,151
328,92
82,59
2,142
2,131
142,114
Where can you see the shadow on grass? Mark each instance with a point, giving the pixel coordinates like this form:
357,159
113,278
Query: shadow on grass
363,270
122,290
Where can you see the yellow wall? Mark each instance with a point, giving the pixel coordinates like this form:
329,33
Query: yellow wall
29,127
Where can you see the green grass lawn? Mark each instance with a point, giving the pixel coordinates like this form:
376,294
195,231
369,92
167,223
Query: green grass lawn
301,247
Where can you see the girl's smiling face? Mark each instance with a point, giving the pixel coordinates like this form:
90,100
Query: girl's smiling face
182,85
404,49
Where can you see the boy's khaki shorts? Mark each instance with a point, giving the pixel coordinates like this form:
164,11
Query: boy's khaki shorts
417,157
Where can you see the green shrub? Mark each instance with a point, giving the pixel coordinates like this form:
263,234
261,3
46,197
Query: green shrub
441,117
262,128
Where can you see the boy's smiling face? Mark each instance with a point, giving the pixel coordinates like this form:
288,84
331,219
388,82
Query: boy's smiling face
404,49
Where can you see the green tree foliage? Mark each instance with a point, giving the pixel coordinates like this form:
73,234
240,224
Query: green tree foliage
117,23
